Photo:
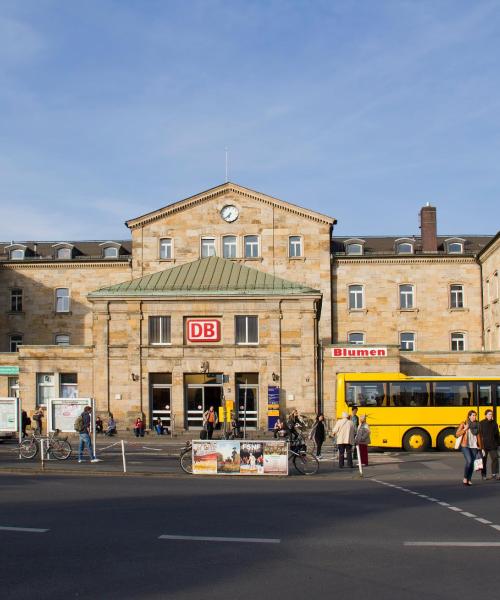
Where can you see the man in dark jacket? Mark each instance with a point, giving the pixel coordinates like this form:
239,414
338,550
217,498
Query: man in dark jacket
490,438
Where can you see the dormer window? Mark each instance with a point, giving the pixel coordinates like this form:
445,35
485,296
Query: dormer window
354,247
17,254
16,251
63,253
110,249
110,252
455,246
404,246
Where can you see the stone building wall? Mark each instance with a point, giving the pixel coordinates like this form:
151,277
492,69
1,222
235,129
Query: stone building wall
490,260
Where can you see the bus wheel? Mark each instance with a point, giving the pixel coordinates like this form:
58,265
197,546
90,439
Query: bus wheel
446,440
416,440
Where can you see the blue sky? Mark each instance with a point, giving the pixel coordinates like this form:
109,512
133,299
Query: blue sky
361,110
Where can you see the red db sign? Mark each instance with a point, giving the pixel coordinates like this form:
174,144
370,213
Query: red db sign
203,330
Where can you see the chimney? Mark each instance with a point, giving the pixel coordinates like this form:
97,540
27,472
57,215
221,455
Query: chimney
428,228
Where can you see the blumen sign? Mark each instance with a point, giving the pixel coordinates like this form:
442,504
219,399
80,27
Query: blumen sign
359,352
203,330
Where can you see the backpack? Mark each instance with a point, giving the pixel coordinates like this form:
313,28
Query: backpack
79,424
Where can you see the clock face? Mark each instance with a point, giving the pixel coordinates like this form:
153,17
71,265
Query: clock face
229,213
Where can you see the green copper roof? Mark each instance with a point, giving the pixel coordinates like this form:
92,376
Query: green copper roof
208,276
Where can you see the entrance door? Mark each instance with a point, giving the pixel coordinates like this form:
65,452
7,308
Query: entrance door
160,398
247,398
202,392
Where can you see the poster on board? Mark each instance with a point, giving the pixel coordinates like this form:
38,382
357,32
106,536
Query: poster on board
234,457
9,414
64,413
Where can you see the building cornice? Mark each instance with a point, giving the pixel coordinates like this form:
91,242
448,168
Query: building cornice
407,260
67,264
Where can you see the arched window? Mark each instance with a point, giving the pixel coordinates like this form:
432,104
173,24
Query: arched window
63,253
17,254
356,337
110,252
404,248
354,248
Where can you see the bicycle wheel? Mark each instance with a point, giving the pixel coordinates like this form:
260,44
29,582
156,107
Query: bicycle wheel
186,461
60,449
28,449
306,463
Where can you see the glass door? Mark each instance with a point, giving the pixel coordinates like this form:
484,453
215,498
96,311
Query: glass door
160,398
202,391
247,399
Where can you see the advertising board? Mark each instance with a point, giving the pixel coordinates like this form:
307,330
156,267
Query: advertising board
9,419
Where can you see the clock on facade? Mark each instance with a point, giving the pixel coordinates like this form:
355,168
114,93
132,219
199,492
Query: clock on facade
229,213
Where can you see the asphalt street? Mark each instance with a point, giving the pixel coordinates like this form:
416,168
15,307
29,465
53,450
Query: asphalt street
408,529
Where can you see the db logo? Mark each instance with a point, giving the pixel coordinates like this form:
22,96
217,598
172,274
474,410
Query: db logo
203,330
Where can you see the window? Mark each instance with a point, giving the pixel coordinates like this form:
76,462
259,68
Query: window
456,296
166,249
159,330
409,393
354,249
44,388
404,248
294,246
455,248
247,330
68,385
365,394
110,252
452,393
356,300
356,337
407,341
16,300
13,386
457,341
15,340
406,296
62,339
229,246
62,300
207,247
251,246
63,253
17,254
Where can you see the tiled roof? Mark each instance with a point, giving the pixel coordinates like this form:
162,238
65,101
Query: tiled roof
207,276
386,244
85,250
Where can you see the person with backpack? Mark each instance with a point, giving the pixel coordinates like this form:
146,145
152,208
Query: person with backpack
38,418
82,425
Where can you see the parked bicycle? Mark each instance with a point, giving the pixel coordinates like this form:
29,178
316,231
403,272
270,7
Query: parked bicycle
56,446
305,462
186,458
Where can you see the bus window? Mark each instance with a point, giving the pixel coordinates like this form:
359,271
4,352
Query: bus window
409,393
364,394
453,393
485,398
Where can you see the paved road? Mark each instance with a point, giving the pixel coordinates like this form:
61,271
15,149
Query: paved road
333,536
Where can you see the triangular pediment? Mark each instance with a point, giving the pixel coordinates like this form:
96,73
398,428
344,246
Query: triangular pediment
222,190
207,276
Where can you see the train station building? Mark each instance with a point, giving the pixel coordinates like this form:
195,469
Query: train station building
235,296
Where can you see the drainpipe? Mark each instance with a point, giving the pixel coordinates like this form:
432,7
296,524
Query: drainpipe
280,355
140,356
482,303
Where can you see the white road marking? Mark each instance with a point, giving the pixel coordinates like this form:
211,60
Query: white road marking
446,505
203,538
25,529
483,521
456,544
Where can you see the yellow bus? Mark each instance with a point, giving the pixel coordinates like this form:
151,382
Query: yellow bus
415,413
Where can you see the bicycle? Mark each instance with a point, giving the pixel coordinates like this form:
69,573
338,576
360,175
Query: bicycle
186,458
58,447
304,462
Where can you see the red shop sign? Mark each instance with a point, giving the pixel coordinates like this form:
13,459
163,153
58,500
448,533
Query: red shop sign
203,330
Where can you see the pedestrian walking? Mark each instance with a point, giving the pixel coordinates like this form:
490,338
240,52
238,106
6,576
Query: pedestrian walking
469,443
344,432
362,440
25,421
210,420
82,425
38,418
318,434
355,418
490,439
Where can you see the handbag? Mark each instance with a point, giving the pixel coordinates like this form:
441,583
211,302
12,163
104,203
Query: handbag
478,464
458,443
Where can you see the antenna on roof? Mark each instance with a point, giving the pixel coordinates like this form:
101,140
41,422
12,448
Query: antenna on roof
227,164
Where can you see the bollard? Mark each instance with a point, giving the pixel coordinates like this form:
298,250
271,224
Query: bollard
360,466
123,455
42,452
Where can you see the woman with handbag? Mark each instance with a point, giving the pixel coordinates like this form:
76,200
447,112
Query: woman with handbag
469,442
